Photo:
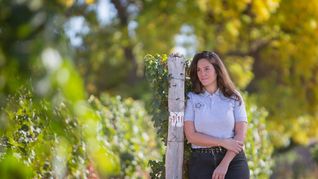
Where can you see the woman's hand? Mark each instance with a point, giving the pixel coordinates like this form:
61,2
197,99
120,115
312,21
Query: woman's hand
220,171
233,145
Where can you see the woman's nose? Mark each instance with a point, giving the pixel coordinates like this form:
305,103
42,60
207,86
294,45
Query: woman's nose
201,73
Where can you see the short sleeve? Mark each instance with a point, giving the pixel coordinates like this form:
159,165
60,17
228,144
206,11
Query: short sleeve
189,111
240,111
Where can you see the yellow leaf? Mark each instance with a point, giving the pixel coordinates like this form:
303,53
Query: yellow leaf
67,3
89,1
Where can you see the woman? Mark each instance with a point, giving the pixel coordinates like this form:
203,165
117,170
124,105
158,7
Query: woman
215,122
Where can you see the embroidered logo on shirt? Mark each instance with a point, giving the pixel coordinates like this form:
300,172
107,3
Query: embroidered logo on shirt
198,105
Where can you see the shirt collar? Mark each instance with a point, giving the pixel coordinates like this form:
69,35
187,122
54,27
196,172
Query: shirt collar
206,93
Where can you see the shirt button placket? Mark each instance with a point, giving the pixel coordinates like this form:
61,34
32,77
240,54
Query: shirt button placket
211,102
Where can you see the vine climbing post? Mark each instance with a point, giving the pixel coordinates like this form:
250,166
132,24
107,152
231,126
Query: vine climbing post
174,152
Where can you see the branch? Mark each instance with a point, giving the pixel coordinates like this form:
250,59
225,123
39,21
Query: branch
258,45
122,12
236,53
255,47
76,10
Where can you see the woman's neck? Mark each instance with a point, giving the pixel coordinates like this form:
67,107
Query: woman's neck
211,89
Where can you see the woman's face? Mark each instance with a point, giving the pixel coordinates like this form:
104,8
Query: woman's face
206,73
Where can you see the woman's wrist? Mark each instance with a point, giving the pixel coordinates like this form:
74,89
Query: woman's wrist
225,162
228,158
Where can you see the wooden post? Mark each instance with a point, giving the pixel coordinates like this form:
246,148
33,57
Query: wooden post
174,151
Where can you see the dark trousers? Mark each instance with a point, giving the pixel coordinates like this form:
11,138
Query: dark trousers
202,165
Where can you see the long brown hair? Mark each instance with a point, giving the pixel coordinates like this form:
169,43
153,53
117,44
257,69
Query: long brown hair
224,82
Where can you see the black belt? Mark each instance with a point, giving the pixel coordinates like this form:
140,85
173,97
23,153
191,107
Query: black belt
211,150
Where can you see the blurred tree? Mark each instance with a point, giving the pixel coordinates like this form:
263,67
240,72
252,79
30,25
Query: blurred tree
26,29
270,47
270,51
50,129
111,56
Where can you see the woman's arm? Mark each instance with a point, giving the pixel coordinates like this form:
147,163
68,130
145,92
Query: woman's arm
205,140
240,133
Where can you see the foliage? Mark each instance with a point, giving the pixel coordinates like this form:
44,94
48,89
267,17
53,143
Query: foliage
258,147
264,45
9,166
157,74
44,139
127,130
296,163
50,127
49,141
267,44
314,152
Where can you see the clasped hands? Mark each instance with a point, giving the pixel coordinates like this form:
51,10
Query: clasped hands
233,145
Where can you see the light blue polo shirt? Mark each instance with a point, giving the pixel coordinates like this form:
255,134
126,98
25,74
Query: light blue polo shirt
214,114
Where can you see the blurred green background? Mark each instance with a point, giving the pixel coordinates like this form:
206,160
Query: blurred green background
75,101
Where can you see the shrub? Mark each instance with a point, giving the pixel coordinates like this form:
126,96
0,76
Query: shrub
44,140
